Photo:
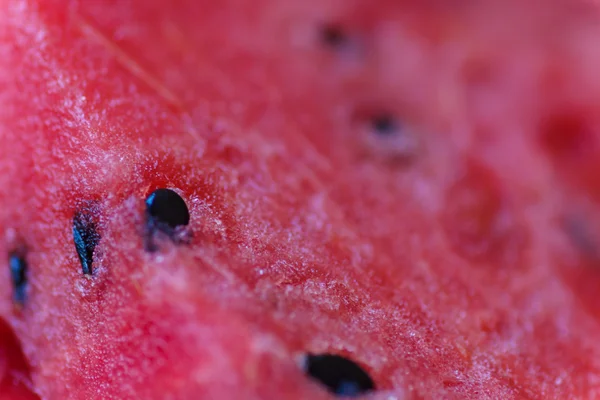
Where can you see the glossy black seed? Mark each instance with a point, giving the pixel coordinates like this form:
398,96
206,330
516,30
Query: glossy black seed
86,238
333,36
166,210
384,124
340,375
18,273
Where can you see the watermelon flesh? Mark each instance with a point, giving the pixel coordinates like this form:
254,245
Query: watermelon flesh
16,379
410,185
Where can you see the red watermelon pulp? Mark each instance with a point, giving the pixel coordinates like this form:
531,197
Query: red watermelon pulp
410,186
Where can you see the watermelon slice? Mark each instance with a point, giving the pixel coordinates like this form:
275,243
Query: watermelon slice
299,199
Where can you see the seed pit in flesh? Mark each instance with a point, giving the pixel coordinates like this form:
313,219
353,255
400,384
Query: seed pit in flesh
338,374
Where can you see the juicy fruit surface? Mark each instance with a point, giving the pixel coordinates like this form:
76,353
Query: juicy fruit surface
451,253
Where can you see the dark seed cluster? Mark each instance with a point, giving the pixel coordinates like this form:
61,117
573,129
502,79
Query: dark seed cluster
167,213
383,127
338,374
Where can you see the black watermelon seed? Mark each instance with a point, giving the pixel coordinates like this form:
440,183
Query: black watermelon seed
86,238
166,210
18,273
384,124
333,36
340,375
